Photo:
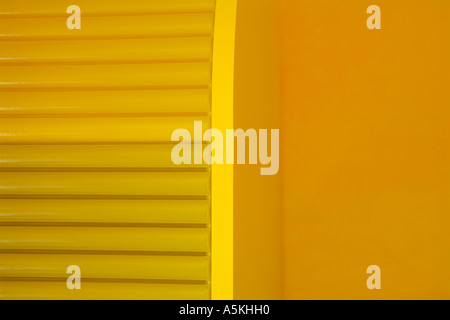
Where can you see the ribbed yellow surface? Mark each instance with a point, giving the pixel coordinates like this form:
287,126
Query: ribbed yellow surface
112,76
76,130
102,290
88,156
103,7
106,211
86,176
110,27
106,51
133,267
105,183
98,102
104,238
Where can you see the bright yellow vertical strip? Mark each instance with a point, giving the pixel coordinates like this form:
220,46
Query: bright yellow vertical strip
222,175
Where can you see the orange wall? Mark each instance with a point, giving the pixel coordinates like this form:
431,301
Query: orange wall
365,148
257,199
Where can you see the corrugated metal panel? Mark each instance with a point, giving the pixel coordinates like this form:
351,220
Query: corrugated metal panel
86,176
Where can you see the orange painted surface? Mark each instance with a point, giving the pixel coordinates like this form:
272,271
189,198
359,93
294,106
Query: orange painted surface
365,148
257,198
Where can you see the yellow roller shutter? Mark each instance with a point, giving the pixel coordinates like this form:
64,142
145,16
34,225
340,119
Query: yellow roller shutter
86,176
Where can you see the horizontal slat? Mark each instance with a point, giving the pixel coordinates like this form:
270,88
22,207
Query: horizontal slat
104,102
104,211
105,76
151,156
139,26
105,51
89,7
105,183
105,239
69,130
105,266
21,290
